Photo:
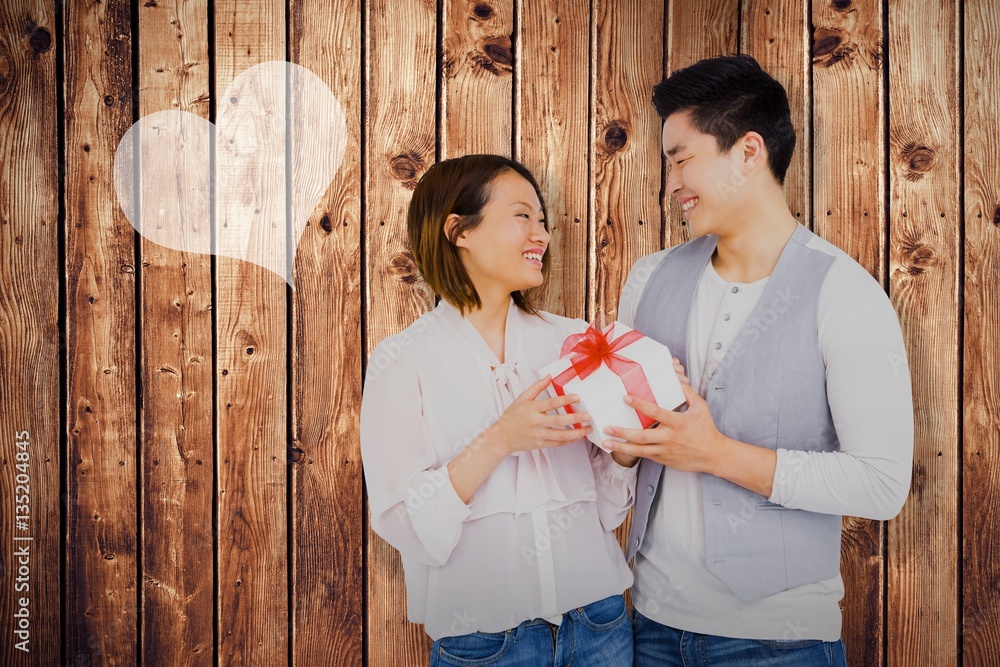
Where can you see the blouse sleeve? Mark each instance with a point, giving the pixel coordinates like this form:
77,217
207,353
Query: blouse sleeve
615,485
413,504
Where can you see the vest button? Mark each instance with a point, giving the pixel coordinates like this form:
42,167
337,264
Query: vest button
718,346
649,489
725,318
736,290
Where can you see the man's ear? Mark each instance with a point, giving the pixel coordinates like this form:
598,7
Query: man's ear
450,223
754,152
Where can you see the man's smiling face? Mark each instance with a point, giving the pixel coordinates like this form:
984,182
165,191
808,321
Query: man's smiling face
706,183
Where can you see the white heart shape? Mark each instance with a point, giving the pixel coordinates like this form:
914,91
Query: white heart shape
279,140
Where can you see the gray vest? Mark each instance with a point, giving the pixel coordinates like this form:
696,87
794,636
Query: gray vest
770,391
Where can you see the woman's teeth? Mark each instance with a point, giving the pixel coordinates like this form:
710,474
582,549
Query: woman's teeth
686,206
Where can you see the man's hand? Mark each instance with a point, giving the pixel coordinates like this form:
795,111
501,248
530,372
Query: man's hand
690,442
687,441
628,460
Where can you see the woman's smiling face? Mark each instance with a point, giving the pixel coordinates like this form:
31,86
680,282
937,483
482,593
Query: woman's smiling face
505,250
705,181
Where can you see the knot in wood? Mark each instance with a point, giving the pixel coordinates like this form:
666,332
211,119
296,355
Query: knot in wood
841,5
403,267
829,47
40,40
615,137
296,454
497,56
917,257
919,160
406,167
482,11
325,224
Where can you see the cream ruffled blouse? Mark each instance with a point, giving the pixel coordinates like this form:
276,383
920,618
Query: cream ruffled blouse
535,540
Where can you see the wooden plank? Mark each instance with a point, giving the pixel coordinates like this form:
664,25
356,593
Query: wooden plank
252,374
476,64
327,512
694,30
980,629
29,354
101,567
922,554
776,34
178,590
550,136
625,155
848,105
625,150
400,144
847,210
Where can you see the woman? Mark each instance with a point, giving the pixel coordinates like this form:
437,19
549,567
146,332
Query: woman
501,511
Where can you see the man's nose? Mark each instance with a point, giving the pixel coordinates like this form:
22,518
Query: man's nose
674,181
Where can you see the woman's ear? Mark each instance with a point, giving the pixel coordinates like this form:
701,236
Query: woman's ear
450,224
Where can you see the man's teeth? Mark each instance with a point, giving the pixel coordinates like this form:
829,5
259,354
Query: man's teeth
533,255
688,204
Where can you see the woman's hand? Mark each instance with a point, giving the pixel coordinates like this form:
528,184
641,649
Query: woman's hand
525,424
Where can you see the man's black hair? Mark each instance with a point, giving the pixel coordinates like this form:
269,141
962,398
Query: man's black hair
728,96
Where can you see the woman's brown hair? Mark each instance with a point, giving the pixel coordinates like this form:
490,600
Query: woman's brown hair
460,186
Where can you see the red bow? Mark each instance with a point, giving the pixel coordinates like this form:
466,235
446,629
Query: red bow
591,349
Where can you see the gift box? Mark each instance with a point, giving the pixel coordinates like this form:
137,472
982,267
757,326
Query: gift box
602,367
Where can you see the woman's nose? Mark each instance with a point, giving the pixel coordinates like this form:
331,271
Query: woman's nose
541,233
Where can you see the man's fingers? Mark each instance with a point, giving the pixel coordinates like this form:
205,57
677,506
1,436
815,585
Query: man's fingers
629,448
689,393
647,408
636,435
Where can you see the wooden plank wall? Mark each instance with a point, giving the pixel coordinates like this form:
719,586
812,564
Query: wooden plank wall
194,474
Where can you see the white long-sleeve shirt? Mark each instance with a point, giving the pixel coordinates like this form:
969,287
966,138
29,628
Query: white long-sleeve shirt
535,540
868,389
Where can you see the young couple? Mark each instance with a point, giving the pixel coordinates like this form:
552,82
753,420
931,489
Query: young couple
798,412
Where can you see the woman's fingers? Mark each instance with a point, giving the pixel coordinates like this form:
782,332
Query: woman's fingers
567,419
548,404
532,392
558,437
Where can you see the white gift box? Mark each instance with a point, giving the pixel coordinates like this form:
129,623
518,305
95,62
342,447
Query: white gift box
602,391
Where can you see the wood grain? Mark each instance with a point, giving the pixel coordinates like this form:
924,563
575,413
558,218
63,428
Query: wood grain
848,210
694,30
101,566
980,621
776,34
327,568
924,167
30,455
551,138
400,137
253,623
477,59
176,421
624,148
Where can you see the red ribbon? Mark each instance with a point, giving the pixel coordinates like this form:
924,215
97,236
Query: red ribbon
591,349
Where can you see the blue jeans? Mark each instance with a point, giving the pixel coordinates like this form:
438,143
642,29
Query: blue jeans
597,635
663,646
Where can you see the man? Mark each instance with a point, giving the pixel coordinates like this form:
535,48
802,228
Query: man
799,402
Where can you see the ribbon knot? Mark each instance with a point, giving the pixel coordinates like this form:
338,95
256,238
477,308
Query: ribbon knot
592,349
